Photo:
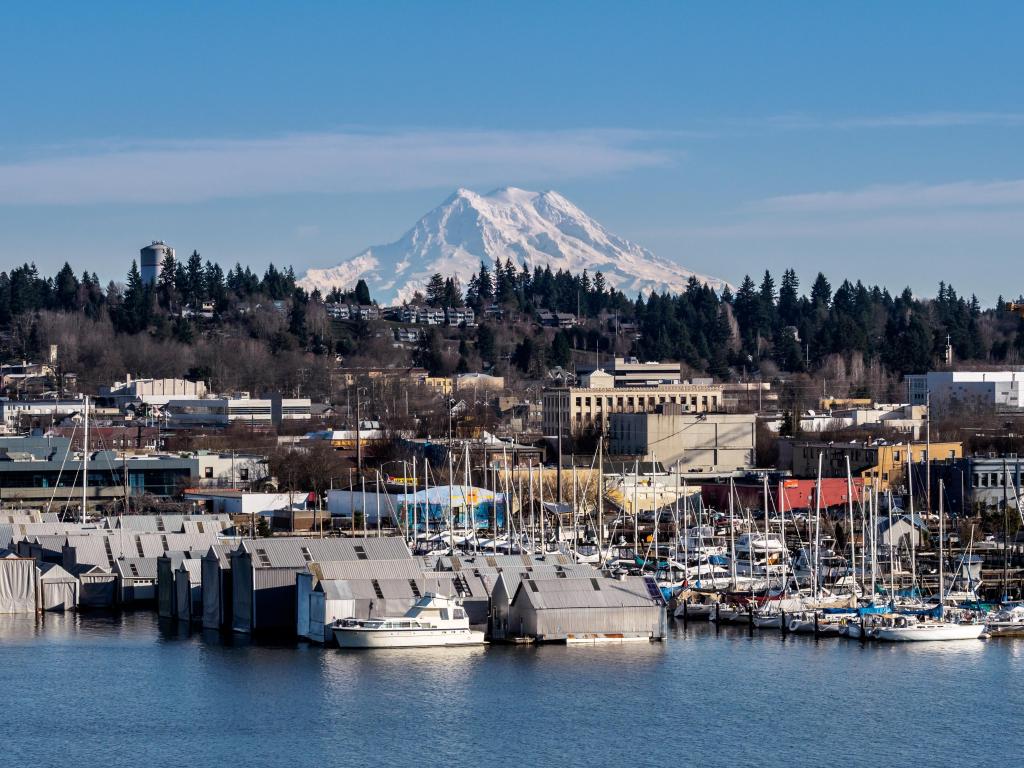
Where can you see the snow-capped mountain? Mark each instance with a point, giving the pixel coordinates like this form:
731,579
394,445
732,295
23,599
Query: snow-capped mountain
536,228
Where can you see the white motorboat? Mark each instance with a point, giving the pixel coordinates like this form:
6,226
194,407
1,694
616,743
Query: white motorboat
435,621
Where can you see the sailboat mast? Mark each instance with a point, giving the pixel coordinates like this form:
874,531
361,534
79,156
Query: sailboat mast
732,536
85,456
816,559
913,525
600,499
849,507
942,559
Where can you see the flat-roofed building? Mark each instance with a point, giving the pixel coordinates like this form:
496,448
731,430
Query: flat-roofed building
574,409
688,442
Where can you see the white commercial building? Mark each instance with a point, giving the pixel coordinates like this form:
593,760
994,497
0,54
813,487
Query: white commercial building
1002,390
196,413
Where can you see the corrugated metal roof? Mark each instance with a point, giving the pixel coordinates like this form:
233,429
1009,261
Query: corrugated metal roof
366,569
297,552
194,569
483,560
129,568
547,594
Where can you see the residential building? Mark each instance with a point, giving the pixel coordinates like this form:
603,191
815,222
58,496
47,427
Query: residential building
337,311
15,412
576,408
949,390
460,316
687,442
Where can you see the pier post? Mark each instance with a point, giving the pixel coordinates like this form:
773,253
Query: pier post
815,623
863,631
686,610
785,626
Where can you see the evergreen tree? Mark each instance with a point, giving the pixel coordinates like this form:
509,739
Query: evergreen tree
362,292
821,292
66,287
436,290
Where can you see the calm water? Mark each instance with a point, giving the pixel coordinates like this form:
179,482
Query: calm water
127,690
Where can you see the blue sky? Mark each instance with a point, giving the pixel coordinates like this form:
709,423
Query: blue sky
879,141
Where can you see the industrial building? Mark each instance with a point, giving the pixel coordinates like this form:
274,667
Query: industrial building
149,392
687,442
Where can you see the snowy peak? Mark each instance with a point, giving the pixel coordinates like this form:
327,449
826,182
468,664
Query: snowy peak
535,228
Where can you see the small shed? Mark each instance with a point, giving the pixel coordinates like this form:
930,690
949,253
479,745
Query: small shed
587,610
58,589
17,584
188,590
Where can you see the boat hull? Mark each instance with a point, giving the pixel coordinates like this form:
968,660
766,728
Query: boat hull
926,633
424,638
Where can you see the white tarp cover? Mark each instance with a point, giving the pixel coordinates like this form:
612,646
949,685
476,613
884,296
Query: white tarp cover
17,585
59,589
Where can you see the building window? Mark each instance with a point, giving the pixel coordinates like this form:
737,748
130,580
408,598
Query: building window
209,472
243,473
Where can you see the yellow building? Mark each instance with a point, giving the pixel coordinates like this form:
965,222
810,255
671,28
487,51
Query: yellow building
881,465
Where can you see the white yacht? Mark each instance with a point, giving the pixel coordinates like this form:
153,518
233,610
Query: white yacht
906,629
435,621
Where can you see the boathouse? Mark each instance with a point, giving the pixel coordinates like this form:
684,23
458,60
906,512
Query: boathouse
587,610
263,574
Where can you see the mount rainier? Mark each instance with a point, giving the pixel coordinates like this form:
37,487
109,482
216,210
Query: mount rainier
540,229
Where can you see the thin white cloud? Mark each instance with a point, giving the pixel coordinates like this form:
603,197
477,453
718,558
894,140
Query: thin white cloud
957,194
798,121
195,171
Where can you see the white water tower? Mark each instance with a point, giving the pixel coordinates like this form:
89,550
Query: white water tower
151,258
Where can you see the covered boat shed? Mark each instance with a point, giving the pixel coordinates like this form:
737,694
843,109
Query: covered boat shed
263,574
587,610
